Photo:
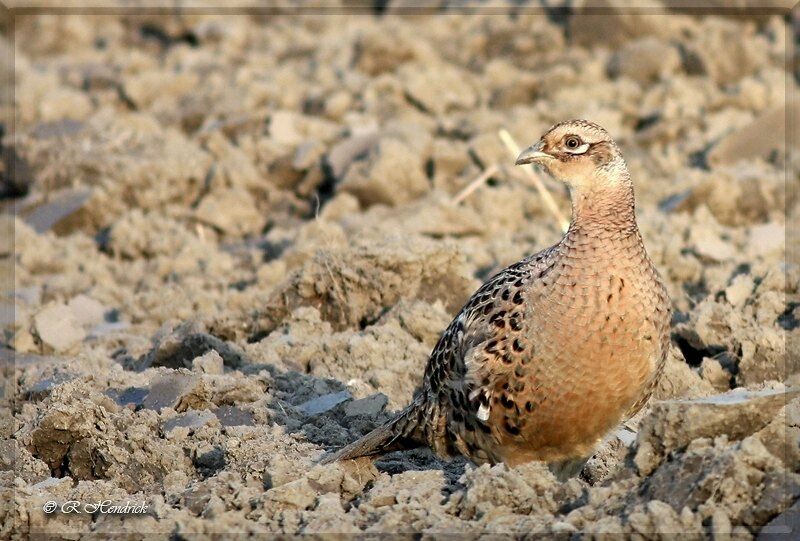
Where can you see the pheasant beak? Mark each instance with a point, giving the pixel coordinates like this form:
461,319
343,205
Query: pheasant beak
533,154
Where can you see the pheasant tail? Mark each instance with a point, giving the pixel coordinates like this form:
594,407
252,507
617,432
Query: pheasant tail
404,431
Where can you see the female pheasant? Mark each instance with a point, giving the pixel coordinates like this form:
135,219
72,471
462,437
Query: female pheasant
556,350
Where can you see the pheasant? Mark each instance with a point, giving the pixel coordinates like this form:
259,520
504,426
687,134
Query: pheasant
556,350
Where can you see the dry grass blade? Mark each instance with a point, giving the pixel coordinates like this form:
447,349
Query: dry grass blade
549,202
475,184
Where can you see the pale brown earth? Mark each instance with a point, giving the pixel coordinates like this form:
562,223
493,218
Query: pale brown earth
231,244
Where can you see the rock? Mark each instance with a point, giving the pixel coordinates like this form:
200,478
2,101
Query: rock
134,396
233,416
57,209
645,60
190,420
232,211
738,477
31,296
760,139
710,246
42,388
673,424
209,363
324,403
177,391
88,312
57,328
369,406
787,523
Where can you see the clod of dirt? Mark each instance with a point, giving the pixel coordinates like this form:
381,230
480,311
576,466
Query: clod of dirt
645,60
210,362
391,172
88,311
389,270
612,23
764,138
424,487
521,490
58,329
673,424
177,347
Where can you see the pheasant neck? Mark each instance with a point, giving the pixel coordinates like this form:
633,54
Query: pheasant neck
608,208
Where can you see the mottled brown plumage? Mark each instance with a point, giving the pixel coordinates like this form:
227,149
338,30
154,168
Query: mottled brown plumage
556,350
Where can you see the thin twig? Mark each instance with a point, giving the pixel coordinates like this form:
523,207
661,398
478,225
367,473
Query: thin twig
475,184
549,202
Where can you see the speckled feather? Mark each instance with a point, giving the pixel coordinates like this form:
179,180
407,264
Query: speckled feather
549,354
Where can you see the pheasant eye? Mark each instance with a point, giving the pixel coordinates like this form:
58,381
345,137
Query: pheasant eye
573,142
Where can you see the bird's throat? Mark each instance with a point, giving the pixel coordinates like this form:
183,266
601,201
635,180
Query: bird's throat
608,207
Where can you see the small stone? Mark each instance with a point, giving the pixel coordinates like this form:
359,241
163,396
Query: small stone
88,312
233,416
283,128
710,246
208,363
58,207
324,403
740,289
174,391
785,523
369,406
57,328
131,396
191,419
44,387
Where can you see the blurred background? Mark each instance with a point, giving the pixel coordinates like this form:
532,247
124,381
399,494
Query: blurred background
317,191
